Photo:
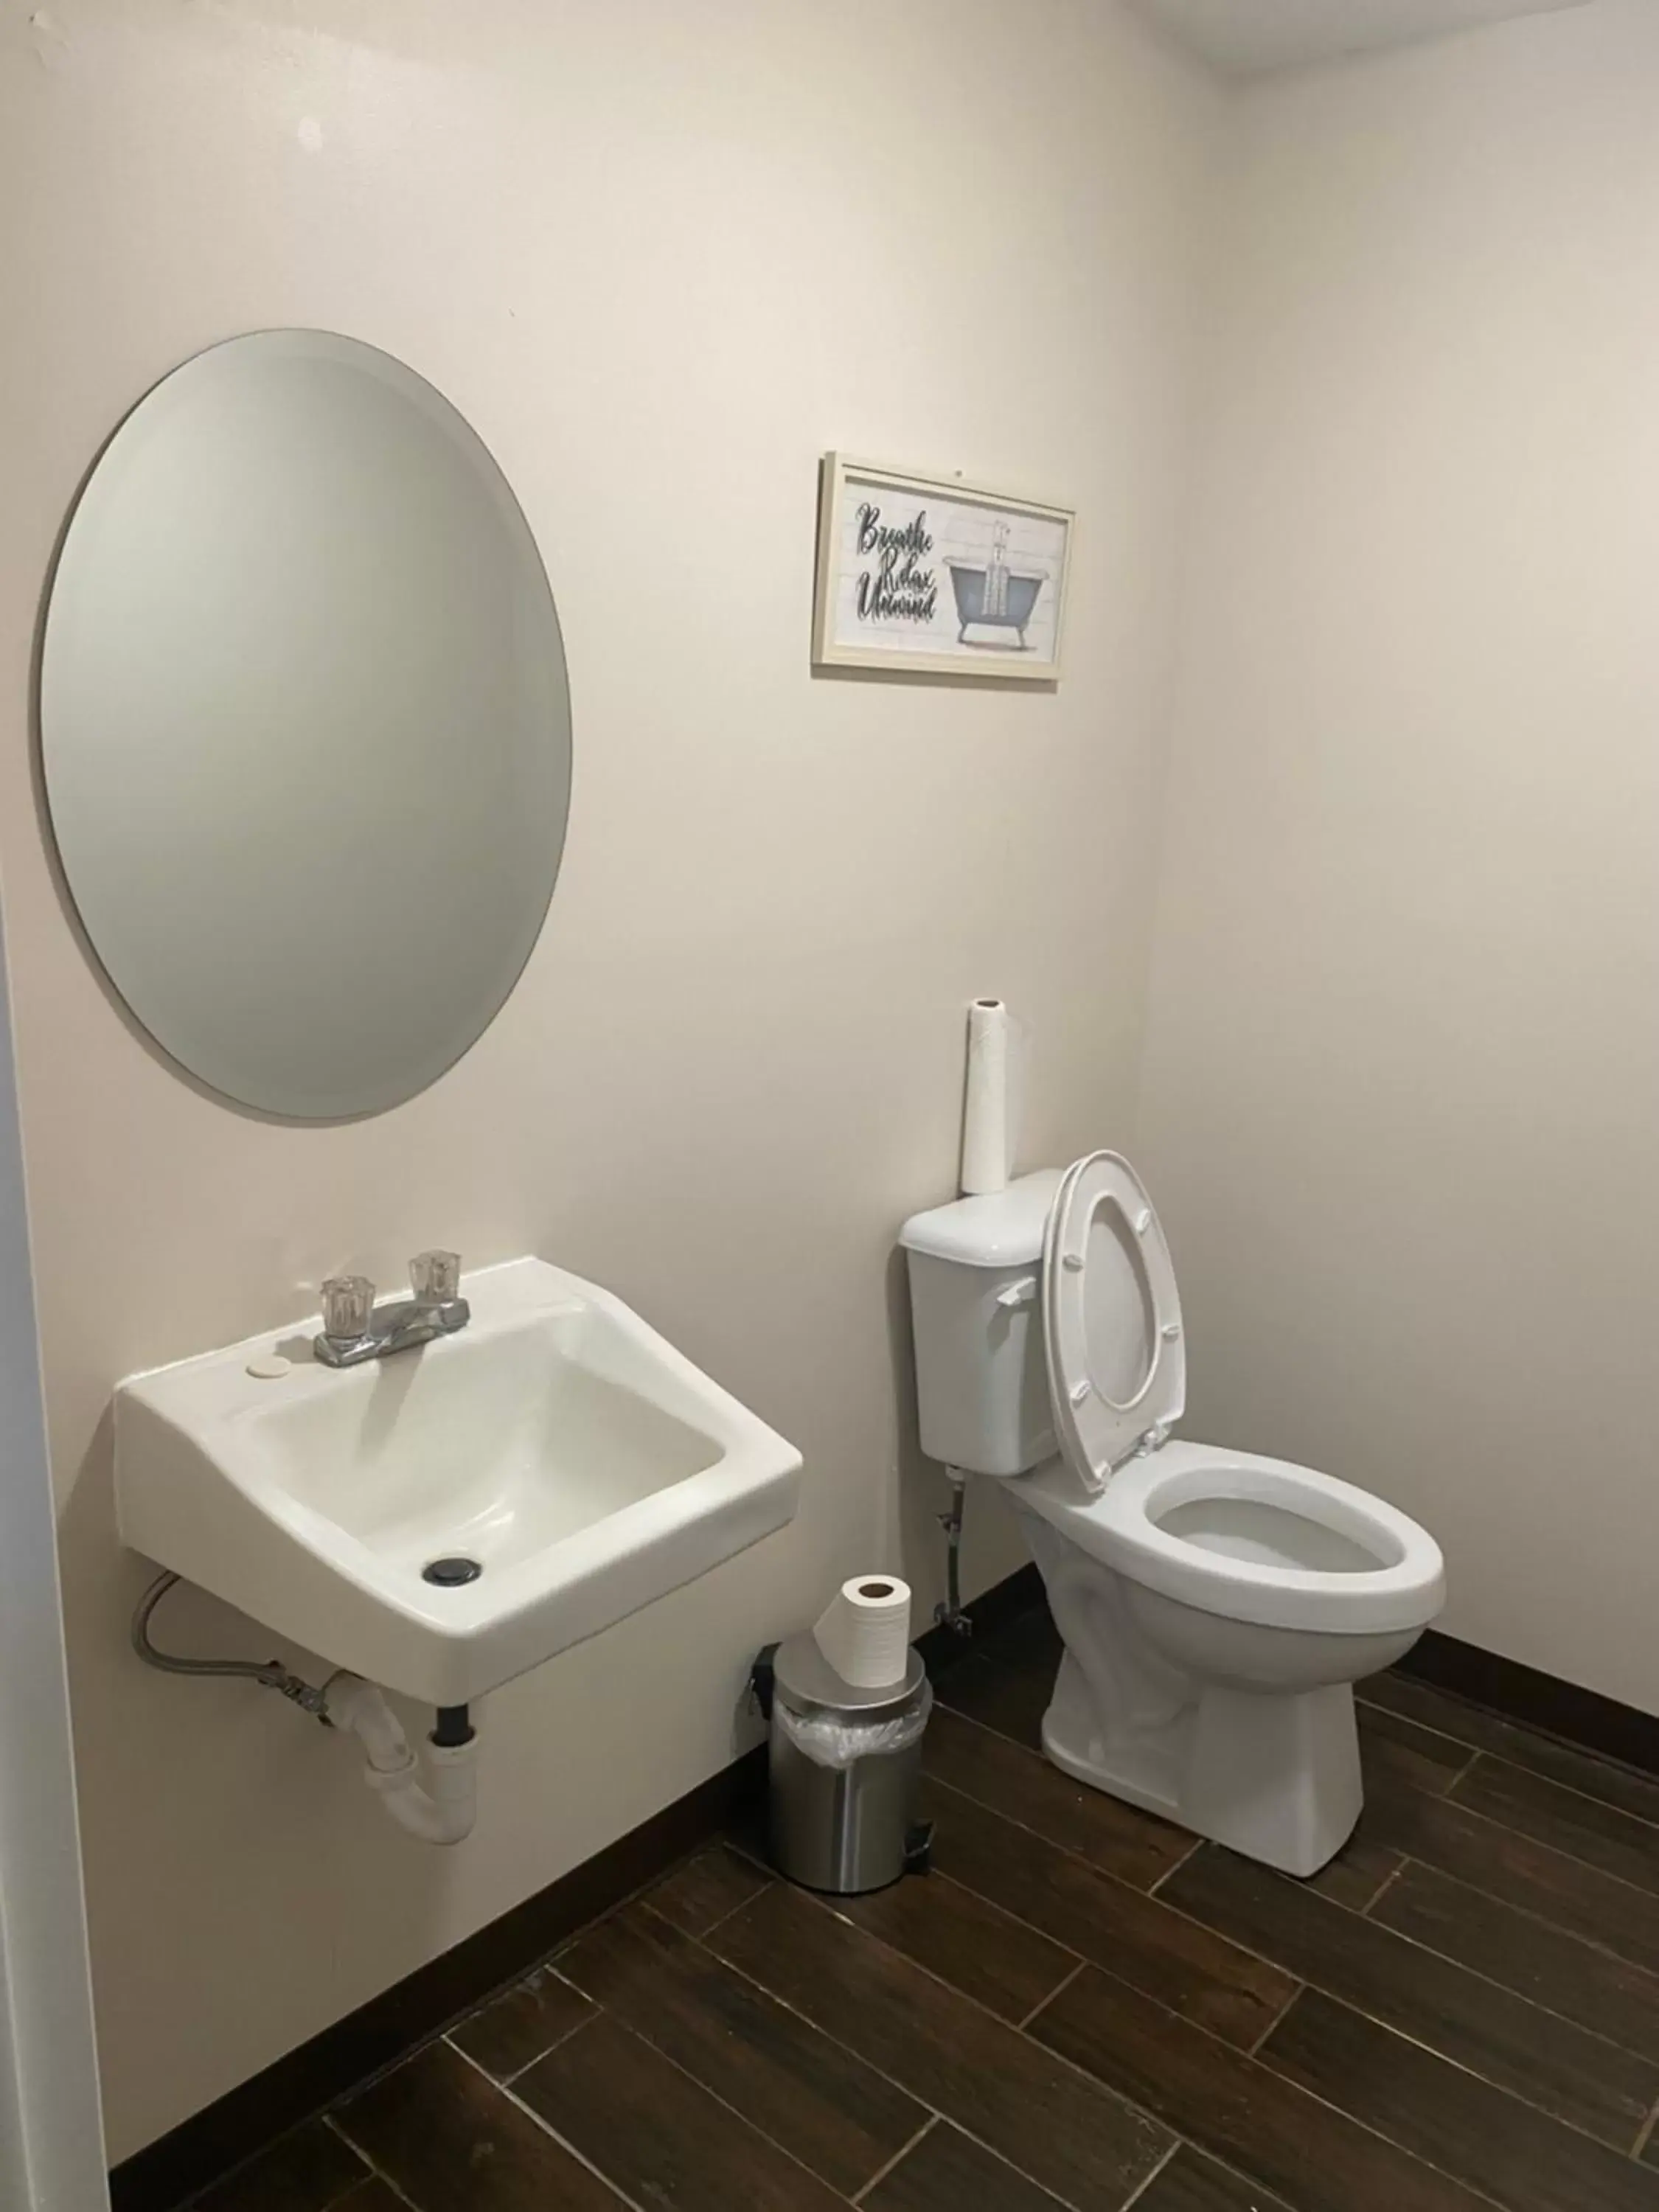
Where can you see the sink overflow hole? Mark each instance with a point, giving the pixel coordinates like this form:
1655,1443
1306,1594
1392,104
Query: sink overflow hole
450,1574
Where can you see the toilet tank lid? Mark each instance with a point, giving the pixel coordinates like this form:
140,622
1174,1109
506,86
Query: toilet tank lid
999,1229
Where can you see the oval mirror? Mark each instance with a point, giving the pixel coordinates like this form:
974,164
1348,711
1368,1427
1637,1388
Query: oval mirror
305,724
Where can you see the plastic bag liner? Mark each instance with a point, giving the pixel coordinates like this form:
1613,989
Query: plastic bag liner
838,1743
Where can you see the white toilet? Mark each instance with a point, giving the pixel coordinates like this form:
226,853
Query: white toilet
1214,1606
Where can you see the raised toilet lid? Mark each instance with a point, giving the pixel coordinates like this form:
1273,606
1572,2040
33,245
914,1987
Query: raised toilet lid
1111,1319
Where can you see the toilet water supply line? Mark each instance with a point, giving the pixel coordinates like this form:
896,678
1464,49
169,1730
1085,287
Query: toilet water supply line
949,1612
441,1811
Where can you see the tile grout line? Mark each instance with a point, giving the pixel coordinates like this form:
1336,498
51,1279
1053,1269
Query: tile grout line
1463,1772
1254,2050
821,1903
1277,2074
1059,1988
1140,2188
1522,1912
1460,2065
559,2040
1562,1850
601,2013
1644,2133
373,2173
829,1899
1509,1759
1498,1759
1367,2011
901,2153
1170,1871
720,1918
1094,2080
1003,1911
1381,1891
997,1811
549,2130
1525,1911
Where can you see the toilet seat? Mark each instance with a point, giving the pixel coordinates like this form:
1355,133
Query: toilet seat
1125,1527
1111,1320
1228,1533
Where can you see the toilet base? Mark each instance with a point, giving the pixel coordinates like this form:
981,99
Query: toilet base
1237,1732
1274,1775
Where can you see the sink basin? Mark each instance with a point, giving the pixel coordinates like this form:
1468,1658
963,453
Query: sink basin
557,1444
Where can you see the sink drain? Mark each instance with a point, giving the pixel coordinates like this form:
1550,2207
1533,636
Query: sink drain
450,1574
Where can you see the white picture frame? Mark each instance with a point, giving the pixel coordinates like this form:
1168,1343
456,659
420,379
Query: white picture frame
931,575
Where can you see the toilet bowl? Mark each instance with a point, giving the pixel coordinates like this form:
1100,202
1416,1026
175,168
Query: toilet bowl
1215,1606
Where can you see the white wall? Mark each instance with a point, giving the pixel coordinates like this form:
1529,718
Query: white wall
661,255
1403,1078
50,2140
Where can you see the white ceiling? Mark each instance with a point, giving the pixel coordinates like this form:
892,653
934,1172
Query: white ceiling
1246,37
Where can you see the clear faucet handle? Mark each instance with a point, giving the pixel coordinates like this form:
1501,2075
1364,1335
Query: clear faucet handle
348,1302
435,1277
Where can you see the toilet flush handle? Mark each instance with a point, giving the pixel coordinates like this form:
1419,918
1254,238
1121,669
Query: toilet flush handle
1021,1293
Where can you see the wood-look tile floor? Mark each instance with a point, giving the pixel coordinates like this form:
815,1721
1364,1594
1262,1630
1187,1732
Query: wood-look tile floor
1079,2006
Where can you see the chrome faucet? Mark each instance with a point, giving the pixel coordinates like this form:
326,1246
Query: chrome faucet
355,1328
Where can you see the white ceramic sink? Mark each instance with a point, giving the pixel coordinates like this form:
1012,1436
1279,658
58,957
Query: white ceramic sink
557,1441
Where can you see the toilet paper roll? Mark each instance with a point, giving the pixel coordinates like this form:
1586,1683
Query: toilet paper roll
865,1631
988,1135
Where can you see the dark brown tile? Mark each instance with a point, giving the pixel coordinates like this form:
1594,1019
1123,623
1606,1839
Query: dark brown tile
1314,2157
372,2196
1359,1874
1137,1937
1542,1703
1391,1743
1068,2133
451,2142
999,1961
1554,1968
821,2103
659,2135
1030,1641
1528,2161
1022,1785
504,2035
1601,1835
307,2171
1192,2183
1010,1699
947,2173
706,1888
1594,1776
1565,2070
1487,1856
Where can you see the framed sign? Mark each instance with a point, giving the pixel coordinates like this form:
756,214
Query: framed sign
932,574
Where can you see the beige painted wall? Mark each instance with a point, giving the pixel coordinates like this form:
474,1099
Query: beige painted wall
1403,1078
661,255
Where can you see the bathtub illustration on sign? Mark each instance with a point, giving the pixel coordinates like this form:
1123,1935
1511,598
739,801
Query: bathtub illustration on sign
995,597
982,603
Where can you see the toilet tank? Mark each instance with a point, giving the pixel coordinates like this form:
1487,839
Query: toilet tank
975,1304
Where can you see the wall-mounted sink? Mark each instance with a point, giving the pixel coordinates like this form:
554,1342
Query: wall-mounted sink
557,1444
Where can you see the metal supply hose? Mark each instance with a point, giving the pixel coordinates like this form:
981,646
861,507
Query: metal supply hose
269,1674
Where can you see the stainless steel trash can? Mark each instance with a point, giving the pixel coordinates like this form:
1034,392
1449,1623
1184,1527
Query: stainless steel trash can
845,1765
